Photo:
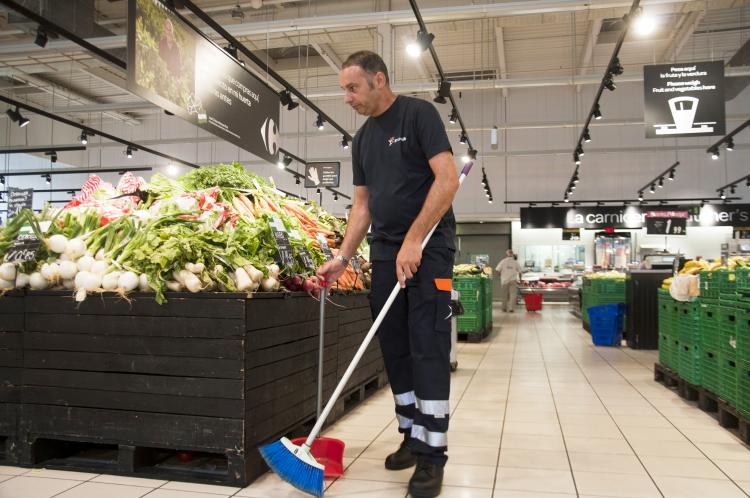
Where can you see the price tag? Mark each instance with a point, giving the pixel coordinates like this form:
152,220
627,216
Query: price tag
666,222
286,254
355,263
307,259
18,199
324,247
23,249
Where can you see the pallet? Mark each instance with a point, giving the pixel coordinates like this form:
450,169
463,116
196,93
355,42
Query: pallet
474,337
727,415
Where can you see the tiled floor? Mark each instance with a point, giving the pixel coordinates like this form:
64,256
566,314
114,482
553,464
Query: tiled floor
538,413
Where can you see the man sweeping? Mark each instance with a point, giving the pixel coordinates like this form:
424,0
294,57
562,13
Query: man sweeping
404,182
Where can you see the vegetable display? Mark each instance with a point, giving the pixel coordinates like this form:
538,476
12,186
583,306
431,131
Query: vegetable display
210,230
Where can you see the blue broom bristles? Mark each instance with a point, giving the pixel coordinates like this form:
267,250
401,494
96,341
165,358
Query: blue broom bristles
290,466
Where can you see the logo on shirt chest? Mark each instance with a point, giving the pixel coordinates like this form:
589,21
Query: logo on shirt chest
393,140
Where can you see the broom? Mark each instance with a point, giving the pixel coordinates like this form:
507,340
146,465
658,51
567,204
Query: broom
295,464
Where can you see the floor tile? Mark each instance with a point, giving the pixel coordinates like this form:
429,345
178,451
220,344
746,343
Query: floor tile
34,487
61,474
702,468
12,471
512,493
543,480
532,442
266,486
679,487
476,476
200,488
598,445
592,462
467,455
173,493
533,459
366,489
129,481
615,484
101,490
725,451
735,469
368,469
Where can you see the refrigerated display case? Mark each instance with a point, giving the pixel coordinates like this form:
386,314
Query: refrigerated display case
612,250
564,258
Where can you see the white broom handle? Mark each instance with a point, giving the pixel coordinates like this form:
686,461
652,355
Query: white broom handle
368,338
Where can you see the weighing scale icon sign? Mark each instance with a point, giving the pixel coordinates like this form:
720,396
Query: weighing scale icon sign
683,111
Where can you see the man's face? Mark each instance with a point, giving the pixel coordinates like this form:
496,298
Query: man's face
358,92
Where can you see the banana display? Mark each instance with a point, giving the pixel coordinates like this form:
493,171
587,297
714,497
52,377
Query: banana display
694,267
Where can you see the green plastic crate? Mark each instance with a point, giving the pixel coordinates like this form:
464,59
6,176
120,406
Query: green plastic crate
728,311
728,377
688,322
469,323
727,280
743,280
487,301
710,371
608,286
709,286
743,388
689,362
743,331
665,349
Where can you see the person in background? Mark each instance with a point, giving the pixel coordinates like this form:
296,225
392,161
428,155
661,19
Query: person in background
510,272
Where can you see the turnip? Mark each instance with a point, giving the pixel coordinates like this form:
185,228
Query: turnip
86,281
37,281
51,271
109,281
68,270
128,281
269,284
273,271
57,243
174,286
195,267
143,283
22,280
69,284
99,267
190,281
75,248
244,282
255,274
84,264
7,284
8,271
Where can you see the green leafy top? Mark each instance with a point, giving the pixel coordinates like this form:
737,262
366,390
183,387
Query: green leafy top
222,175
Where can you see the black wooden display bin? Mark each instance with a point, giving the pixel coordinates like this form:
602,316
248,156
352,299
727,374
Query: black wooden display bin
186,390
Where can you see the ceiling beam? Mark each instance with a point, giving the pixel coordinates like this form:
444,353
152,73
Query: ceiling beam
328,55
595,26
681,35
502,64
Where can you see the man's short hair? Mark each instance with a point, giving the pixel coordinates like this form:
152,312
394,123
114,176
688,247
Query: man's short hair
370,62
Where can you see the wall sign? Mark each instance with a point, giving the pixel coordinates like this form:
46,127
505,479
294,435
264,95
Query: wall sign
571,234
634,217
172,65
666,222
684,100
18,199
741,233
322,174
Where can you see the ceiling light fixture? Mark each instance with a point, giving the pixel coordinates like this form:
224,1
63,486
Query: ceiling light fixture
286,99
652,189
671,175
586,135
453,117
616,68
129,151
238,13
722,194
443,93
16,116
320,123
344,142
644,24
462,138
41,37
714,153
661,182
609,83
730,144
597,112
84,138
424,40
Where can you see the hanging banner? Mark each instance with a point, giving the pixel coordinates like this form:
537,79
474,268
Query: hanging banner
684,100
172,65
634,217
666,222
322,174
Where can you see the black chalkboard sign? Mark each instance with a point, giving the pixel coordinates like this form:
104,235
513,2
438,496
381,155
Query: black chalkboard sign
19,198
23,249
286,254
307,259
355,263
324,247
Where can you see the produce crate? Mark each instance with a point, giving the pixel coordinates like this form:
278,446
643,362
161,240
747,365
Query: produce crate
727,280
709,324
469,286
689,363
608,286
743,331
688,322
728,377
487,302
709,287
710,368
471,323
728,327
743,388
666,354
743,280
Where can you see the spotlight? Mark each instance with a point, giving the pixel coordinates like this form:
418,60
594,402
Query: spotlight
335,196
320,123
297,180
714,153
453,117
317,190
644,24
129,152
173,169
344,142
597,112
52,156
84,138
566,199
462,138
2,180
722,194
732,189
671,175
652,189
444,92
640,196
16,116
572,186
579,151
47,178
489,200
231,50
237,12
41,37
661,182
616,68
609,83
286,99
747,182
586,136
424,40
576,178
730,144
577,158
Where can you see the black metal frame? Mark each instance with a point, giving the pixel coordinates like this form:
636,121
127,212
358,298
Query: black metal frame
31,150
631,201
73,171
728,136
659,176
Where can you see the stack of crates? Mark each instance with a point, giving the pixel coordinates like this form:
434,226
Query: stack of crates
743,341
710,363
470,288
601,291
487,301
688,338
728,312
666,328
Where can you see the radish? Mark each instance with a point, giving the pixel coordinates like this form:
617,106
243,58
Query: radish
75,248
128,281
99,267
109,281
22,280
68,270
273,271
8,271
7,284
244,282
189,280
57,243
195,267
37,281
174,286
255,274
270,284
143,283
84,264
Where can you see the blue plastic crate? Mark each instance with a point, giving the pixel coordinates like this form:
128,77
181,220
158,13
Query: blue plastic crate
606,322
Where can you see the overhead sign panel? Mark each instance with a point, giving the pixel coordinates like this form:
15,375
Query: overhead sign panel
174,66
684,100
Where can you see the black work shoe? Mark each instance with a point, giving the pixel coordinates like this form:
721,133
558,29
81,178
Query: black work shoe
400,459
426,481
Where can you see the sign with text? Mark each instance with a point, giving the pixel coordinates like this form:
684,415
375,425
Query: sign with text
741,233
684,100
322,174
19,198
571,234
634,217
324,247
172,65
666,222
286,254
23,249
